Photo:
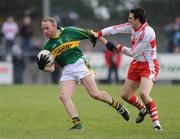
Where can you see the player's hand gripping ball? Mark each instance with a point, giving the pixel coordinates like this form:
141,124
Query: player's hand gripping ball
44,58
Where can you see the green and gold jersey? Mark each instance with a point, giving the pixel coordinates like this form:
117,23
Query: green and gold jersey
65,47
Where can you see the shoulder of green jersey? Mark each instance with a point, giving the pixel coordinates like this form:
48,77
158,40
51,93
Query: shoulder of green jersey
75,28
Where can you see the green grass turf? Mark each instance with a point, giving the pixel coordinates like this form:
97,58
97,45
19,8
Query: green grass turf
34,112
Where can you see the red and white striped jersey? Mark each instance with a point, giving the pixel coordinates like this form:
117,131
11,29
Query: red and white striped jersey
143,41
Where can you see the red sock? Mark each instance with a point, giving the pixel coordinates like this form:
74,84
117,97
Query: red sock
151,107
134,100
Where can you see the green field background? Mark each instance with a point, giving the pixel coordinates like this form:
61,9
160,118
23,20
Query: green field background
35,112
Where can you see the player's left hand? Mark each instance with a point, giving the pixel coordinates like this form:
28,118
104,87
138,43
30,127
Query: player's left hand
42,62
110,46
93,38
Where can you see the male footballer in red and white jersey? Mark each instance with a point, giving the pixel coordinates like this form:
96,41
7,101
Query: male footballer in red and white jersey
144,68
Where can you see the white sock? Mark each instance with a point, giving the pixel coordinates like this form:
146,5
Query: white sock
156,123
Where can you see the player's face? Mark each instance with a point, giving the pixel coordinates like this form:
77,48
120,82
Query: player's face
49,30
133,22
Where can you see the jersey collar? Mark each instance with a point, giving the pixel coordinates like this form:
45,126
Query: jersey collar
60,30
141,27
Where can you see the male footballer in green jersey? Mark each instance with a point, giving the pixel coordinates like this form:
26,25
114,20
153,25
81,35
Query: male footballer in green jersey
64,45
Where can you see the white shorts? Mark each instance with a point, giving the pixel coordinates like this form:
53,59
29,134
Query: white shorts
75,71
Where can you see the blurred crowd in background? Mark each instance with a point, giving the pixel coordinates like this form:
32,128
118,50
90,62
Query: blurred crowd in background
21,40
172,33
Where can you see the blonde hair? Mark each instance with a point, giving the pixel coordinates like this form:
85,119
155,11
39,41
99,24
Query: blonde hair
50,19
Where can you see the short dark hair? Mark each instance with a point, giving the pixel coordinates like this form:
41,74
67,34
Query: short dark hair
140,14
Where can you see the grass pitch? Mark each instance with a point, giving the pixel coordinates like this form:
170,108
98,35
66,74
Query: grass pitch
34,112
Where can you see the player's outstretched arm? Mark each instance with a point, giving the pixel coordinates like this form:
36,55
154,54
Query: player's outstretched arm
109,45
100,38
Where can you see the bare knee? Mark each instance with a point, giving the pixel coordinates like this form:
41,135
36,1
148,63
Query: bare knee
144,96
63,97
